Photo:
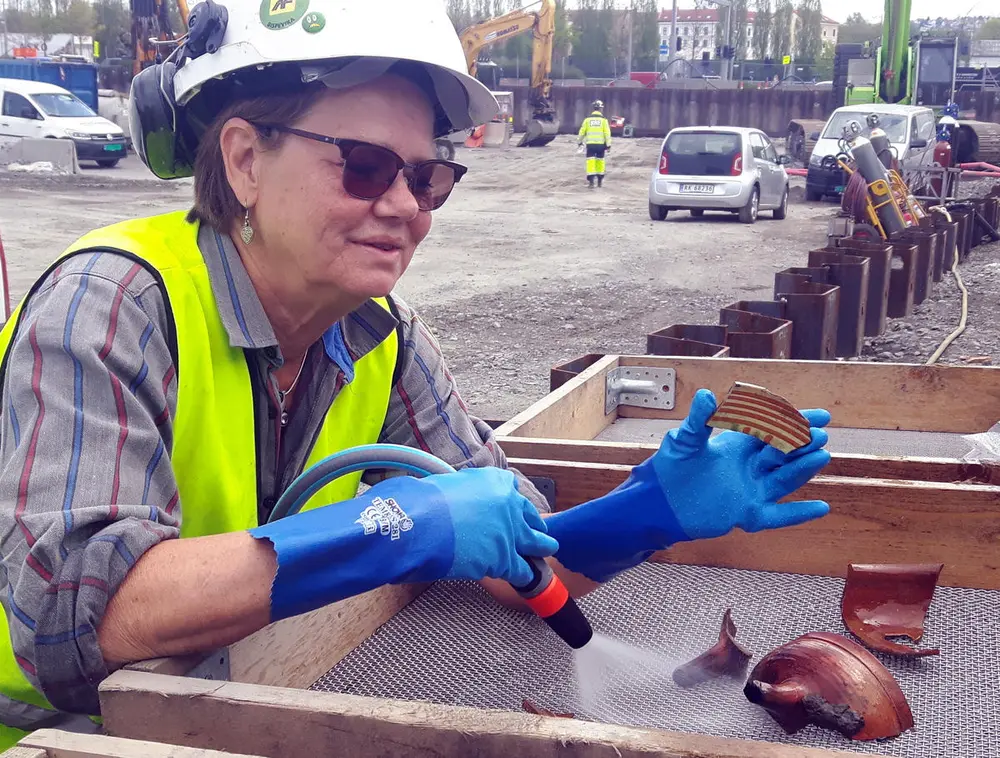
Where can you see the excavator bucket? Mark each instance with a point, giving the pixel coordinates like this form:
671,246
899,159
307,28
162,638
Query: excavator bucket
539,133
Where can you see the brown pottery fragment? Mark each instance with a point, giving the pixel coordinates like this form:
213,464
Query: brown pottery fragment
726,656
539,711
761,413
828,680
889,600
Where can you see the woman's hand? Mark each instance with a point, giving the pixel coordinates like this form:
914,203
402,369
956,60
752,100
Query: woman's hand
713,484
470,524
695,486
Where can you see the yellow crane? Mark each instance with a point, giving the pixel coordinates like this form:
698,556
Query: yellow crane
544,125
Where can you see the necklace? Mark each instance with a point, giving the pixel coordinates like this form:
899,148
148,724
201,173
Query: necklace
282,394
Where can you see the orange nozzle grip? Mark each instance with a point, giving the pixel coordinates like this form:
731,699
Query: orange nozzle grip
550,600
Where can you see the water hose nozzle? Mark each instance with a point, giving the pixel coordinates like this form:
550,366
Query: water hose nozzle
545,594
548,597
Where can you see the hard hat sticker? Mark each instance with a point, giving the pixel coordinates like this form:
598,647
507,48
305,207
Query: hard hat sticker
314,22
281,14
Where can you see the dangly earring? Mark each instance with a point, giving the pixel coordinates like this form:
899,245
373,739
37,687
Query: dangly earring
247,231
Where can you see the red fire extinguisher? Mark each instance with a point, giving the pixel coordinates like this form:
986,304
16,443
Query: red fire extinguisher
942,157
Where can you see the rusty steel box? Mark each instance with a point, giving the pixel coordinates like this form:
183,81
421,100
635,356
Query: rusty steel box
926,242
851,274
696,340
879,256
902,278
811,304
559,375
756,329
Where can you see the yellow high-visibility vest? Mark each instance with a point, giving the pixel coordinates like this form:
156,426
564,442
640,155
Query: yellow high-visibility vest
595,130
214,455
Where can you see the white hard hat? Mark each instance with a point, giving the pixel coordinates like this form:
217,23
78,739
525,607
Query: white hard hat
947,121
325,32
339,42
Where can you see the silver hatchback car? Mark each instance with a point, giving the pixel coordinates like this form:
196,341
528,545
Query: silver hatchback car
722,168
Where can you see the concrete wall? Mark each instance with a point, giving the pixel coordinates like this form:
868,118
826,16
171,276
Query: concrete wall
113,106
654,112
61,153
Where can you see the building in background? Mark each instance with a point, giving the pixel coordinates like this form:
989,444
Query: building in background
700,31
985,52
20,45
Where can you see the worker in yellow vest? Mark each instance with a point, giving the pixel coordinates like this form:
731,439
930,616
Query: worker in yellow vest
595,134
170,377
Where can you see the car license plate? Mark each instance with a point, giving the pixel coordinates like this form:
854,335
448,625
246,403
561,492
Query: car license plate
698,189
113,148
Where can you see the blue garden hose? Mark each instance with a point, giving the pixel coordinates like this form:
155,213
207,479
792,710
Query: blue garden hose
360,458
545,593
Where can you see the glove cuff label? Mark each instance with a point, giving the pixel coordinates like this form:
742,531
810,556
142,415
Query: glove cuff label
386,517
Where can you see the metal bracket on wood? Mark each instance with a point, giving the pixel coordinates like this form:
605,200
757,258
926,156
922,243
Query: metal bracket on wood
214,667
546,486
640,386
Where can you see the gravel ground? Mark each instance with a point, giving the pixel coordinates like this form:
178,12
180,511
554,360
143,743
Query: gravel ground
527,268
524,269
915,339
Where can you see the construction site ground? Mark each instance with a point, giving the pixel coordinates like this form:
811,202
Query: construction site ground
526,267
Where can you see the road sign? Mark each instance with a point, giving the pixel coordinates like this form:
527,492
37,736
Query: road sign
785,60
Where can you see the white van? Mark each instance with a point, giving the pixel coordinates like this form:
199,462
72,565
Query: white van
42,110
910,129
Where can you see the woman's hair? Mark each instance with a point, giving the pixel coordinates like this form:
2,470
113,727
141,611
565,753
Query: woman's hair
215,203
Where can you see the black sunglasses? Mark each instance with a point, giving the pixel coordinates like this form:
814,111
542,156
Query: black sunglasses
370,170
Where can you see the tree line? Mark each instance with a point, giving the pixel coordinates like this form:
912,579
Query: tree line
107,21
594,39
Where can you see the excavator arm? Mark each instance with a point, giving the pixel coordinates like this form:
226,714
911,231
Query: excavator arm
150,24
498,29
541,51
542,24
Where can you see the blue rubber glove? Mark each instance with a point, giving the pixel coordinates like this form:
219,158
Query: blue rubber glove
694,487
467,525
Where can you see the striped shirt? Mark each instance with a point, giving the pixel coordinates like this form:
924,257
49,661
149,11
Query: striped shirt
89,399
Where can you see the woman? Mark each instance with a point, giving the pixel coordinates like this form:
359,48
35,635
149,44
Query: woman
170,376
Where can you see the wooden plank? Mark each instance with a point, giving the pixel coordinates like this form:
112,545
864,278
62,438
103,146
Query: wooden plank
52,743
870,521
842,464
296,652
175,666
573,411
283,723
584,451
24,752
958,399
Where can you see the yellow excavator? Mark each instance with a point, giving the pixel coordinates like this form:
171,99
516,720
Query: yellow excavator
544,126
